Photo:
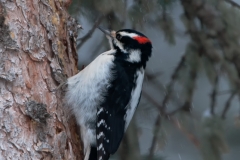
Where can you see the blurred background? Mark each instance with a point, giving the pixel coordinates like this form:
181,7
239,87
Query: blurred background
190,101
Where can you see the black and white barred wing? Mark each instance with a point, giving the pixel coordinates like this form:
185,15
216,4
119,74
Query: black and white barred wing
111,116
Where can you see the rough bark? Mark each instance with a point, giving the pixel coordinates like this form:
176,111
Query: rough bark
37,53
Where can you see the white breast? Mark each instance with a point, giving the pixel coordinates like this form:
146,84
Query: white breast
84,89
135,95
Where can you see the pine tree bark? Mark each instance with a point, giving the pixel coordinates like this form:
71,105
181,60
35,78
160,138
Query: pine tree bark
37,53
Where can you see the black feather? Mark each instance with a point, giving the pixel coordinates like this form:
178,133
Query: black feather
93,154
112,111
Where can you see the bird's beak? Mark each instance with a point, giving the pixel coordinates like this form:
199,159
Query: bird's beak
111,34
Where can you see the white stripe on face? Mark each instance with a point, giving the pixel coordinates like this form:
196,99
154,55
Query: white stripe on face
128,34
120,45
134,55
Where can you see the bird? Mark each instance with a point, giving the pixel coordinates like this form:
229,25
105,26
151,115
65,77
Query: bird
105,94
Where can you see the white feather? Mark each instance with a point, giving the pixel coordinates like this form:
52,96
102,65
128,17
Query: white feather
120,45
134,56
101,122
100,110
100,147
83,95
100,135
135,95
128,34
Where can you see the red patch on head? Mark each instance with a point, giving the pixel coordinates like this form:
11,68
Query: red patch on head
142,40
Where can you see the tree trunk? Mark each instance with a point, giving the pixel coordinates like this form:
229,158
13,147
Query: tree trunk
37,53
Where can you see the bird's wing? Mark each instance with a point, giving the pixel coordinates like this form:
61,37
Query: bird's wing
111,114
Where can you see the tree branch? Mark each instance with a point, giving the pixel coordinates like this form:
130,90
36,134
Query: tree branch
213,95
170,85
189,135
90,32
163,106
227,105
155,136
233,3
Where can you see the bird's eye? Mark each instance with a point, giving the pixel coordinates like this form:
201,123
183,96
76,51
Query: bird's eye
118,36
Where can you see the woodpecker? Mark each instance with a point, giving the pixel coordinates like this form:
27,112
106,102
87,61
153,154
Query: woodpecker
105,94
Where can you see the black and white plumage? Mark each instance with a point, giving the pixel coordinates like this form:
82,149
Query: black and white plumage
105,94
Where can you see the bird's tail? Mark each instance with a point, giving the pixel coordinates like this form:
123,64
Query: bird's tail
93,153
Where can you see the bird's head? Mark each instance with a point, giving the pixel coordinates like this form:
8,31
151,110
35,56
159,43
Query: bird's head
131,45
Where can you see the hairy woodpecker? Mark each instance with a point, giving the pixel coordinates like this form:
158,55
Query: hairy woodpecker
106,93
